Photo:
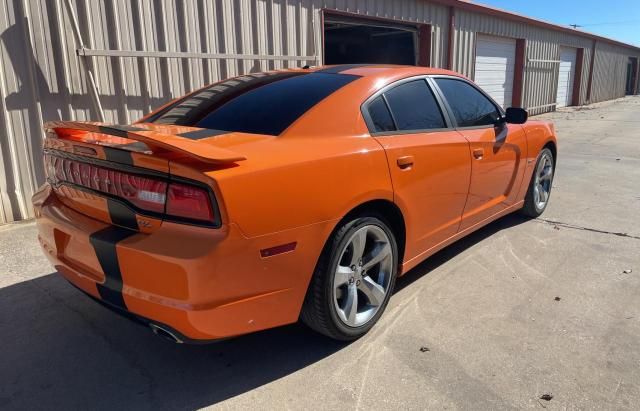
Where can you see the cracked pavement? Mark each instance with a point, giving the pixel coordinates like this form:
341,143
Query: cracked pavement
484,311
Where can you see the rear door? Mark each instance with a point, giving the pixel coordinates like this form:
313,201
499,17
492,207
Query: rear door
497,151
428,160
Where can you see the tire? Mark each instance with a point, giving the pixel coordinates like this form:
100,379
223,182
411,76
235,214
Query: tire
328,307
536,201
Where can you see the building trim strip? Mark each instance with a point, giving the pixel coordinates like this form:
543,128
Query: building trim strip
85,52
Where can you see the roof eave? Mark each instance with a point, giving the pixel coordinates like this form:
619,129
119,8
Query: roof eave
484,9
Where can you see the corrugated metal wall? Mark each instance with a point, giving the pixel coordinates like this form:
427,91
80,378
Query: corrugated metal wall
540,77
609,72
41,76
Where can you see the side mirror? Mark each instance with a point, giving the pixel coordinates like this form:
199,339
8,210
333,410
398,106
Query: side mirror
516,115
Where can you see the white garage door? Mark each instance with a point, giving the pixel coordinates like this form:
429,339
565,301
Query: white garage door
566,74
495,66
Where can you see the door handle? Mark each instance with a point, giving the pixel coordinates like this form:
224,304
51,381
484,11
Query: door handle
405,162
478,153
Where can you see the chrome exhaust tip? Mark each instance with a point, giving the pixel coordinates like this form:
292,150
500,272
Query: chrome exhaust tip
164,333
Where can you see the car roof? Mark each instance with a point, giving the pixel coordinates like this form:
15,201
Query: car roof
381,70
343,107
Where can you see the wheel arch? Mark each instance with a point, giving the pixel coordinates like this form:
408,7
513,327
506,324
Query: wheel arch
387,211
540,135
551,145
383,209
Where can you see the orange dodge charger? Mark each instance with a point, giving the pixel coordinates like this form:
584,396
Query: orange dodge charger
272,197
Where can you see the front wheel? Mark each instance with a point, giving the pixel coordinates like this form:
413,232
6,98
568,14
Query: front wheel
353,281
537,197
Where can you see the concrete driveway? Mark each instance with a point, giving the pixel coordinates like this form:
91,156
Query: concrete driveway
519,310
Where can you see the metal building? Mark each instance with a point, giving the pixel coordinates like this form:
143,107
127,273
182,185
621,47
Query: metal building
114,60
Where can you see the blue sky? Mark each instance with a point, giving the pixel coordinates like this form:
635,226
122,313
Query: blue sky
617,19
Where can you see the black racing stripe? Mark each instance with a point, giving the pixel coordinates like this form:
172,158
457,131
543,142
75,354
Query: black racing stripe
340,68
138,146
118,130
118,156
121,215
204,133
104,243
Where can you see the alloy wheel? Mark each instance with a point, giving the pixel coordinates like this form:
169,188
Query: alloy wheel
543,179
362,276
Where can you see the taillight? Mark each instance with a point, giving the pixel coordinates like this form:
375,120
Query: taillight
187,201
181,201
145,193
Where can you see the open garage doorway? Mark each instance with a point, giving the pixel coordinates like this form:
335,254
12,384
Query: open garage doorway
351,40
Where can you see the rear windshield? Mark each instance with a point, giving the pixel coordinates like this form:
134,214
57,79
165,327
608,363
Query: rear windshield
264,103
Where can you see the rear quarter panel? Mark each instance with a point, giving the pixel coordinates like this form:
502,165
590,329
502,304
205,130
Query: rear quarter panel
294,182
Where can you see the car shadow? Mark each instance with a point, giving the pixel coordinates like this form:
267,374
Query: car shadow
446,254
61,350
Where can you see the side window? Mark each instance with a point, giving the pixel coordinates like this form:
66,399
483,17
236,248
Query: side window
380,115
414,106
469,106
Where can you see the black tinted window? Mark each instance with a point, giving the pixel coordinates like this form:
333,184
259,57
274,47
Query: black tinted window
263,106
380,116
414,107
192,108
469,106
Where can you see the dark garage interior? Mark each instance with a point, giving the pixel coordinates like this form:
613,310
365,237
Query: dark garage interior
349,41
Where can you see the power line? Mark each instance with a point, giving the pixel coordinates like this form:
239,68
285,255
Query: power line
575,26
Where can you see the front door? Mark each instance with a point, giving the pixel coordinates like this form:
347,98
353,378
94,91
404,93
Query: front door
497,151
429,162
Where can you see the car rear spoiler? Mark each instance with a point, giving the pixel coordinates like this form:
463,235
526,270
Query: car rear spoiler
199,150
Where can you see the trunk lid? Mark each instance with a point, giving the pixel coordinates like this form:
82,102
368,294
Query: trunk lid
121,174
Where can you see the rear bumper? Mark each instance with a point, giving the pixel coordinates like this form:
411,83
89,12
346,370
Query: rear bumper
145,322
204,284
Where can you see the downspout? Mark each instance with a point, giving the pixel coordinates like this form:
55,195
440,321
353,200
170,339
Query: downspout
93,89
451,37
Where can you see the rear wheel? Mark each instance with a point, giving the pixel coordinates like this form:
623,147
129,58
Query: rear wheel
537,198
353,281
